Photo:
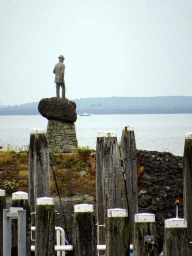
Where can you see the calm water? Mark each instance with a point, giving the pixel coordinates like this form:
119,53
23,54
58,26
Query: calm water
152,132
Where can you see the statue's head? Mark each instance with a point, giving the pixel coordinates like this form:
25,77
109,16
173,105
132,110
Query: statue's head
61,58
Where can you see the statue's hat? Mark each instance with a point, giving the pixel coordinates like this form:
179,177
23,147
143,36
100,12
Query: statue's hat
61,56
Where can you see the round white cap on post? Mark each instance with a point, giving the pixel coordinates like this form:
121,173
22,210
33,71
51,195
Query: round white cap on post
175,223
2,192
144,217
117,212
83,208
45,201
129,128
37,131
20,195
188,135
107,134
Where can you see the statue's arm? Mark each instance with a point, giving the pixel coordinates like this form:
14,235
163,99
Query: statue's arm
63,71
54,71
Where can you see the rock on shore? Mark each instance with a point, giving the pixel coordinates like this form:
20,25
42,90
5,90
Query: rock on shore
161,185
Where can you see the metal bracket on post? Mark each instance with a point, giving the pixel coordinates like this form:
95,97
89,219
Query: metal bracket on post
149,239
8,215
148,242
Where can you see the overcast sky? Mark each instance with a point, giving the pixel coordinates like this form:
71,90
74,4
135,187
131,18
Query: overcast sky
111,47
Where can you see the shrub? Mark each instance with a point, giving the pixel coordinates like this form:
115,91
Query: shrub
9,186
140,167
84,153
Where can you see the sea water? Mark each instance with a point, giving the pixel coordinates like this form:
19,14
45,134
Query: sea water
152,132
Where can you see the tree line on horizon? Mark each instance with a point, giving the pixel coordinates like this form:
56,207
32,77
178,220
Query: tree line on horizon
123,102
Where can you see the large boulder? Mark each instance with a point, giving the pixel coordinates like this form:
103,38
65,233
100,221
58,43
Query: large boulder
58,109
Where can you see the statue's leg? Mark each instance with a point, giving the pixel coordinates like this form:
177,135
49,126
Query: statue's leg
63,90
57,90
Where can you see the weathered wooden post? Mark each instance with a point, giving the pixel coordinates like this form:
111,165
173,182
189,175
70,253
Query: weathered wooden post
145,238
187,184
129,158
108,177
84,231
117,234
2,206
176,238
39,167
21,199
45,227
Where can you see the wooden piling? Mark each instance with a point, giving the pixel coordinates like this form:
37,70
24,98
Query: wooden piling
108,177
2,206
45,227
176,238
129,157
117,234
21,199
39,167
144,229
187,184
84,231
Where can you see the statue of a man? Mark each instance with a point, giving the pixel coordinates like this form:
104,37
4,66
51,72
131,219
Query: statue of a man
59,71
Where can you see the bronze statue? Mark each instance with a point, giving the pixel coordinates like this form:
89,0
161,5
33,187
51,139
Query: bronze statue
59,71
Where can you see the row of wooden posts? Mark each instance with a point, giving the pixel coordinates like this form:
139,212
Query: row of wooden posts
84,230
123,226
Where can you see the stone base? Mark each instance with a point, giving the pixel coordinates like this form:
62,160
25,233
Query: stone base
61,137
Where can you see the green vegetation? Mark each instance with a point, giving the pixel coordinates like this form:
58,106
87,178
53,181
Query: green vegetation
73,174
84,153
13,171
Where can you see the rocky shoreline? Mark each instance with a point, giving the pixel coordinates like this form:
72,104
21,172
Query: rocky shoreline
161,185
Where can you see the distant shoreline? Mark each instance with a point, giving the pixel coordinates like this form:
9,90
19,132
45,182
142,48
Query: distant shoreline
103,111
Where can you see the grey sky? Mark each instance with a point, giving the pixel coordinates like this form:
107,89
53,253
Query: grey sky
111,48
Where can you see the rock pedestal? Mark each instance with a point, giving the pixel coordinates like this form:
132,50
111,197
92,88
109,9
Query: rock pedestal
61,136
61,133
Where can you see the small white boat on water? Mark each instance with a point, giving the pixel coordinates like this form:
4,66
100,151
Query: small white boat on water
84,114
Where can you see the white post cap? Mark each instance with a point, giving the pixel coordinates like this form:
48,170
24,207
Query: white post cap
117,212
188,135
129,128
107,134
37,131
83,208
175,223
45,201
2,192
20,195
144,217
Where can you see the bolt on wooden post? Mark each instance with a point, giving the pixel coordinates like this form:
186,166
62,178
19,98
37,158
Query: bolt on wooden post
39,167
117,234
21,199
187,184
176,238
84,230
2,206
45,227
145,237
108,176
129,157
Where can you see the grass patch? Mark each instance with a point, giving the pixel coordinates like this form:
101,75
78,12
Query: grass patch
14,172
69,179
24,174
